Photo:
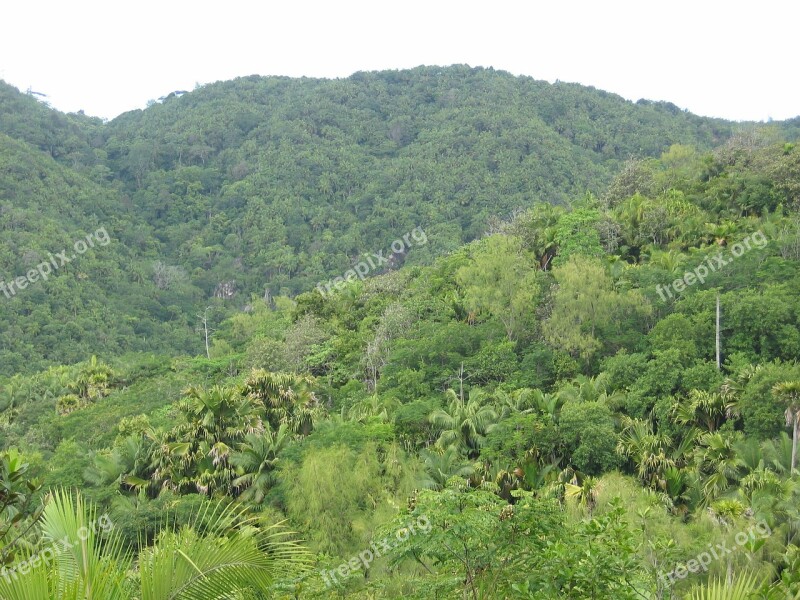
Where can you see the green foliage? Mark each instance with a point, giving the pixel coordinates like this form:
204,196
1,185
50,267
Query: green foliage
465,422
585,304
275,184
337,494
595,559
587,432
232,554
762,411
509,443
576,234
501,281
17,510
505,380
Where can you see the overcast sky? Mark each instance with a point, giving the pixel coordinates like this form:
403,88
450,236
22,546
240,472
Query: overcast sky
714,58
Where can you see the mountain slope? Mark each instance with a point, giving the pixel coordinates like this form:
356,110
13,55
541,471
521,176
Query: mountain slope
334,168
272,184
96,297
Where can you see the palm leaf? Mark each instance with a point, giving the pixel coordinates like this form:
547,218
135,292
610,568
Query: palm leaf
225,552
744,588
75,561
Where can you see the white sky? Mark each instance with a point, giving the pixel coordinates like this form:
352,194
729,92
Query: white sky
714,58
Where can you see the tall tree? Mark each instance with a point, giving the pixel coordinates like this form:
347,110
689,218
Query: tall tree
789,392
585,302
502,282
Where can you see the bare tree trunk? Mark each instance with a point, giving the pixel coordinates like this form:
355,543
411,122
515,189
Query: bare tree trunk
794,440
718,349
206,333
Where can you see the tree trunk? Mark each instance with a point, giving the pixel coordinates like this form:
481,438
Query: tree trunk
719,364
794,440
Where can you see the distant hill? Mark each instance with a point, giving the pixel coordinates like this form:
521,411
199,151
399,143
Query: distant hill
272,184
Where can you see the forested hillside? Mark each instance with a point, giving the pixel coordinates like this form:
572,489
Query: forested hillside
531,400
265,186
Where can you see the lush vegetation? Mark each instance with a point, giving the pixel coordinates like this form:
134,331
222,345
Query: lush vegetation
267,186
558,424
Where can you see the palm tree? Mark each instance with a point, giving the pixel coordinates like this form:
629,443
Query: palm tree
591,389
127,465
441,466
93,381
215,421
535,473
232,556
670,260
537,230
745,587
464,423
584,490
257,461
789,393
547,404
720,233
709,409
546,247
373,407
717,463
733,387
778,453
286,398
651,452
630,215
219,414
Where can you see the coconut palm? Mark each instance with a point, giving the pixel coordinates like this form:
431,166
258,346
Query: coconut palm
464,424
229,555
789,393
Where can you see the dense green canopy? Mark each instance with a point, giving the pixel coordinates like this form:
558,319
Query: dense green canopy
526,404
